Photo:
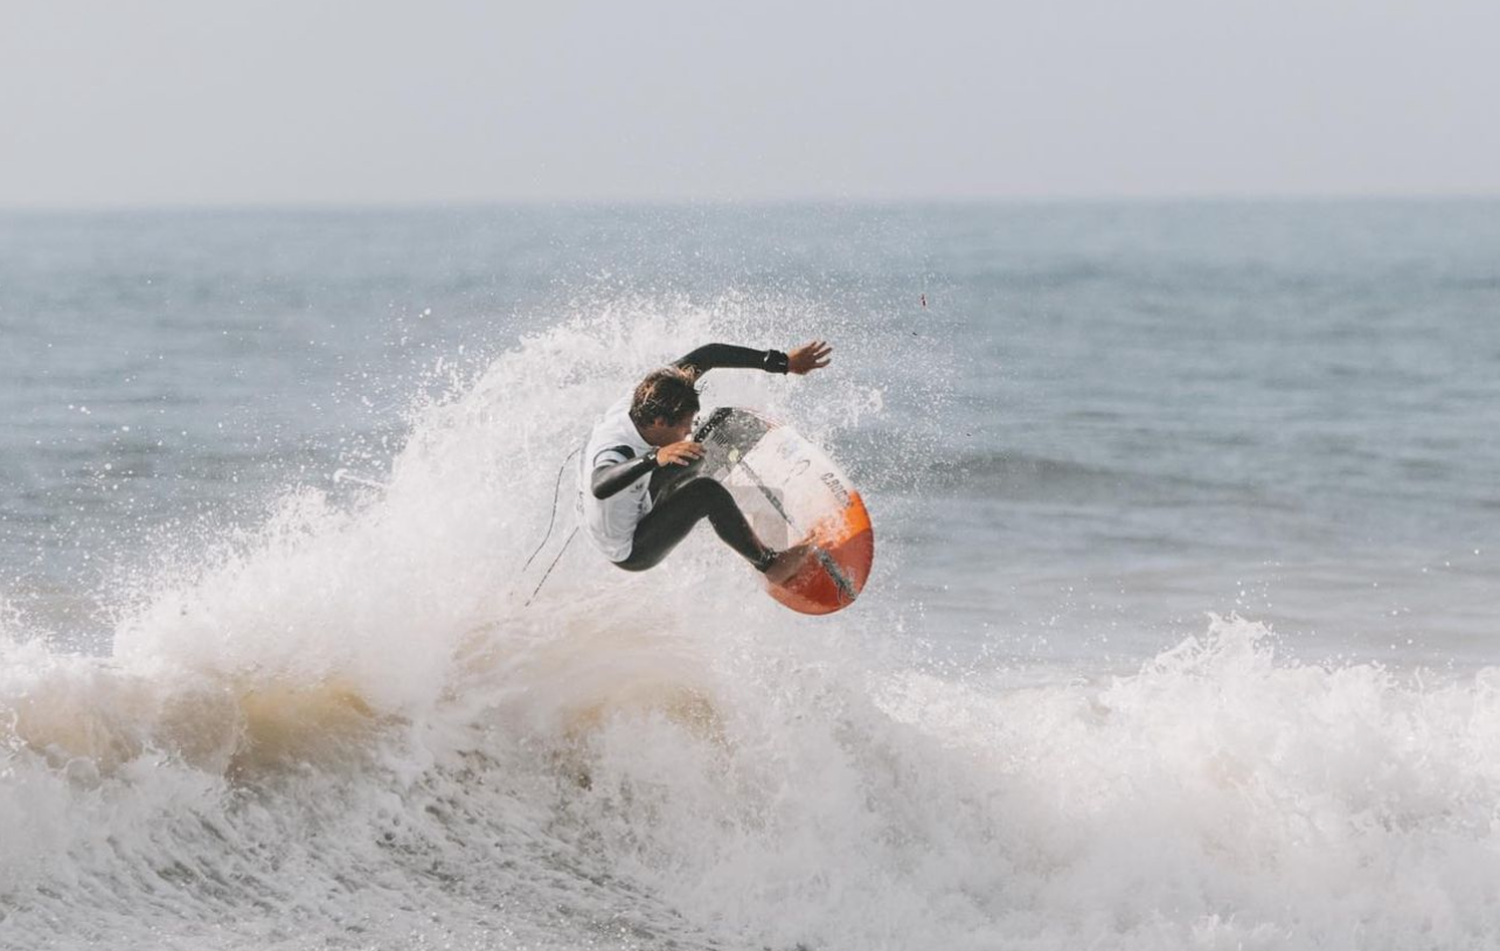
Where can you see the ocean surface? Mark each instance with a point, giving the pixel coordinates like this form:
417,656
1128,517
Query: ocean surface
1182,631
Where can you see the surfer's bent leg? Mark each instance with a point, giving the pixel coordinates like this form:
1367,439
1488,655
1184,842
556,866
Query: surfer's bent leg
679,507
666,479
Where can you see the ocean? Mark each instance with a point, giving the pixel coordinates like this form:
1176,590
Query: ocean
1182,630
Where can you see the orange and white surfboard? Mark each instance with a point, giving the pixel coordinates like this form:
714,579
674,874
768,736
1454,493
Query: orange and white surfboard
793,494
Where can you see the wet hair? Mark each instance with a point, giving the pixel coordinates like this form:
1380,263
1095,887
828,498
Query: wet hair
667,394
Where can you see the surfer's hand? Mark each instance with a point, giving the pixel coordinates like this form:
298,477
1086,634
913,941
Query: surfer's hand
679,453
808,357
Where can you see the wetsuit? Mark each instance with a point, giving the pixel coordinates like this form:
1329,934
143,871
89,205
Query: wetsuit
636,522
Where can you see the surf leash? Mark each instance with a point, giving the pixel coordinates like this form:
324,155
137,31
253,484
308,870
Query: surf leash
560,552
552,518
551,523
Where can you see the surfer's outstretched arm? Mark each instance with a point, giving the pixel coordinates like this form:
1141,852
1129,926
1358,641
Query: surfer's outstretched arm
714,356
717,356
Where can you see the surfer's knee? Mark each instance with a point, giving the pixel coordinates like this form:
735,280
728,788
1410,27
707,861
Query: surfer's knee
667,480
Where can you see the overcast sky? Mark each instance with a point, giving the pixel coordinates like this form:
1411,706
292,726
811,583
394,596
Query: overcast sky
191,102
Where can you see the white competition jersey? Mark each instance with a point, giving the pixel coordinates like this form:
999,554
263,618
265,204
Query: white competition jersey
610,523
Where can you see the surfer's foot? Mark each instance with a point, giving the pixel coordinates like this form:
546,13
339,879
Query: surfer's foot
781,565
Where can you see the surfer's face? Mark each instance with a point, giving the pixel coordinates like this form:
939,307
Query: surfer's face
664,433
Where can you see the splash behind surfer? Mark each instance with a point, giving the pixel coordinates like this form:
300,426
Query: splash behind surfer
638,485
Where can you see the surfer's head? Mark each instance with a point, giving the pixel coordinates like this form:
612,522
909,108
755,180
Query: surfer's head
664,406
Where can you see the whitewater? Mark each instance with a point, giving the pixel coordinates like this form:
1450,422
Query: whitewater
351,719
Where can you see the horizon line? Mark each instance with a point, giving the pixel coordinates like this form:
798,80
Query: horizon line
462,204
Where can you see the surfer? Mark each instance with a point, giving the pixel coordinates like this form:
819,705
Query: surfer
638,483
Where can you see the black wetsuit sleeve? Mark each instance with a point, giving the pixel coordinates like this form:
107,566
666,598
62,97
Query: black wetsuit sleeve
728,356
612,479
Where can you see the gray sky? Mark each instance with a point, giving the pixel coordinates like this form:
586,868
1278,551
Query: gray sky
142,102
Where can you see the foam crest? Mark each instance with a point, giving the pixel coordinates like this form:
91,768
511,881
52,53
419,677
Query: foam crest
1216,798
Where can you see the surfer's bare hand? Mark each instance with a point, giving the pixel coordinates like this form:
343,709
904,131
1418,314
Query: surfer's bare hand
808,357
679,453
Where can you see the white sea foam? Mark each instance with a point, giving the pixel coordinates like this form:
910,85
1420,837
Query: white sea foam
347,729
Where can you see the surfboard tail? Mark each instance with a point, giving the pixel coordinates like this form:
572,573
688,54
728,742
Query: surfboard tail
834,571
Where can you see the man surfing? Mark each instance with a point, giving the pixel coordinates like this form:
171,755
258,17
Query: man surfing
638,487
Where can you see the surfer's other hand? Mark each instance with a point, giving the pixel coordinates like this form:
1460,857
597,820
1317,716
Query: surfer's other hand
808,357
679,453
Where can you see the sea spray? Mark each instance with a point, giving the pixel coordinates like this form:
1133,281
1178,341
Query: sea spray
343,726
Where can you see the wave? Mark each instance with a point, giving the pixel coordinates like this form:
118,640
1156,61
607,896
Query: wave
349,728
713,791
1019,476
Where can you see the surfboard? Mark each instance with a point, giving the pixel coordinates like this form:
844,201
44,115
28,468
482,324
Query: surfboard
792,493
